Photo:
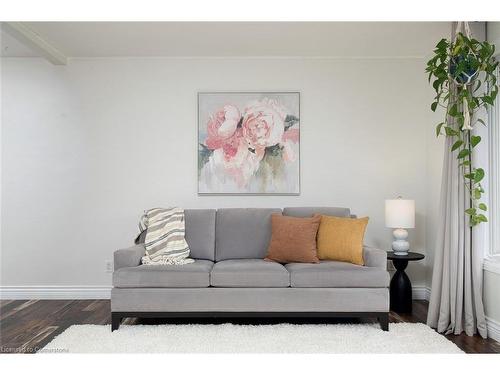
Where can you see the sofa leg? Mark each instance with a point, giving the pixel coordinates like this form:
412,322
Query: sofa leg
383,320
115,321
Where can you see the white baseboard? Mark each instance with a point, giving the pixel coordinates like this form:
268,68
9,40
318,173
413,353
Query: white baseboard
421,292
55,292
493,329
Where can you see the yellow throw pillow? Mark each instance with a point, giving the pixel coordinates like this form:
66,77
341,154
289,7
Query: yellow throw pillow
341,238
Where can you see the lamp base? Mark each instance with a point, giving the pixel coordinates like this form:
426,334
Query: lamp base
400,245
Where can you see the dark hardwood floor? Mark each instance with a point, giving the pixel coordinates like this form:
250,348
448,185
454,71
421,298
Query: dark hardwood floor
27,326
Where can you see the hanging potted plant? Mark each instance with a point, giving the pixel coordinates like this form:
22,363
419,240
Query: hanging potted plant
463,77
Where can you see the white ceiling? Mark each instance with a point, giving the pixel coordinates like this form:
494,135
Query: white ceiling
171,39
12,47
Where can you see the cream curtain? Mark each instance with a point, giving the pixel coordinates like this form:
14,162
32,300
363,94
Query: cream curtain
456,303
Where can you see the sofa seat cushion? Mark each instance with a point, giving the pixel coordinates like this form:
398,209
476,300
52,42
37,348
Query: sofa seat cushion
333,274
192,275
249,273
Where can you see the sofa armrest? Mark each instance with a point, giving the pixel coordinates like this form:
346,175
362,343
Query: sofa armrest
129,257
374,257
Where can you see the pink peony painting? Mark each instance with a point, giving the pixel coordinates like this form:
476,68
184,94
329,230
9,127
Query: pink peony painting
248,143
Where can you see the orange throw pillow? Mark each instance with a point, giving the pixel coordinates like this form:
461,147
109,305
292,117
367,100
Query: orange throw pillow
293,239
341,238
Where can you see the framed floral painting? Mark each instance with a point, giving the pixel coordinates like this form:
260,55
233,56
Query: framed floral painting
248,143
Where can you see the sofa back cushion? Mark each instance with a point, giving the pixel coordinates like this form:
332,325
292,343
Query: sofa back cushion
310,211
243,233
200,233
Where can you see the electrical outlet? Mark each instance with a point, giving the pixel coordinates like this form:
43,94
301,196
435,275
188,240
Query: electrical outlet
109,266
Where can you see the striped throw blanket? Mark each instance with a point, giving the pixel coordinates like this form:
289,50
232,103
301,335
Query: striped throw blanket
165,242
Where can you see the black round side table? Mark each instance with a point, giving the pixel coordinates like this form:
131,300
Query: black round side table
400,287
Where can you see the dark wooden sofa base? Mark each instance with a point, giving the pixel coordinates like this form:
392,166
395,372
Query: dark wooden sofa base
116,317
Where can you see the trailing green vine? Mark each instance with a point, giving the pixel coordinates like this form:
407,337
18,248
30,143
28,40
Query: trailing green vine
464,80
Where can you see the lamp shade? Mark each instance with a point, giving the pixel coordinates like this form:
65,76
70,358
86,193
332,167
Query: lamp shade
400,213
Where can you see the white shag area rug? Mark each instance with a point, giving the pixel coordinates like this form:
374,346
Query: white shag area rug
231,338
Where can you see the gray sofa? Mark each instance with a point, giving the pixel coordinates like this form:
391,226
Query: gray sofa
230,278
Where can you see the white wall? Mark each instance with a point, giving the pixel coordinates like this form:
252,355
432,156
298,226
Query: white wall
88,146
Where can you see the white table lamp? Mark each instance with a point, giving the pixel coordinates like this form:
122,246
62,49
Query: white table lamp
400,215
